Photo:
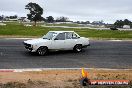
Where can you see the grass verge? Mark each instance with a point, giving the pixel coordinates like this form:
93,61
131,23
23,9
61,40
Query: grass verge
17,29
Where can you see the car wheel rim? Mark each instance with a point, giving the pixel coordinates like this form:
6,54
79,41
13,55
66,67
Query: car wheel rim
78,48
42,51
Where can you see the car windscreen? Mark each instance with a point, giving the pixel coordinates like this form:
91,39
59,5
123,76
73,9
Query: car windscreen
49,35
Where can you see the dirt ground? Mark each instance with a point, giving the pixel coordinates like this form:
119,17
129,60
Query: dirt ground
57,78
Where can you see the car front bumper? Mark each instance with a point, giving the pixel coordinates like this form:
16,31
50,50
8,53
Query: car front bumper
28,46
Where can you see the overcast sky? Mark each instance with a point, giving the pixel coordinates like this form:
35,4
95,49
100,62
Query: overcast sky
83,10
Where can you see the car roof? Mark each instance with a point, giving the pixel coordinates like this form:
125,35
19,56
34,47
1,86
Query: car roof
60,31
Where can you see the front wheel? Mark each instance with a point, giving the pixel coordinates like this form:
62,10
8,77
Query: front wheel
42,51
78,48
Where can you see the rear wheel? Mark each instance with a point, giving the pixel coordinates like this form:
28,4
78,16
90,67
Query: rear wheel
78,48
42,50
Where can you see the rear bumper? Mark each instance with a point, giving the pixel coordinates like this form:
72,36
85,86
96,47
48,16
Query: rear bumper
85,46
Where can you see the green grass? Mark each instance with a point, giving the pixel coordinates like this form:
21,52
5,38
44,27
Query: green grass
16,29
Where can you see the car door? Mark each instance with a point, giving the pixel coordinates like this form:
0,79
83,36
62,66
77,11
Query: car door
59,42
70,40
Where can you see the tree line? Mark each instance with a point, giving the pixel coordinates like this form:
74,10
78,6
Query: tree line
50,19
121,23
9,17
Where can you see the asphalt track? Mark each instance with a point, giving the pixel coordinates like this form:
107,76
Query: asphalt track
101,54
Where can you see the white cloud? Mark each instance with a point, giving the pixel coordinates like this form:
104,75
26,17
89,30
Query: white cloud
107,10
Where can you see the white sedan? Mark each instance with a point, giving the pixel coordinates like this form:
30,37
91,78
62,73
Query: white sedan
57,40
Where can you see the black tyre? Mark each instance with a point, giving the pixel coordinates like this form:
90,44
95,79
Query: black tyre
42,50
78,48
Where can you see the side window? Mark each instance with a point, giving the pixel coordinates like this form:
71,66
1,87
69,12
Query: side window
74,36
68,35
60,36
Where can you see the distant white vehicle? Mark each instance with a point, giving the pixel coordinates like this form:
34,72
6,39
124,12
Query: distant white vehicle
126,27
57,40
